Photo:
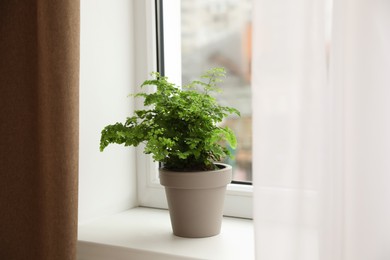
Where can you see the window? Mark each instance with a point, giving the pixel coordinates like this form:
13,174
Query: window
196,35
179,58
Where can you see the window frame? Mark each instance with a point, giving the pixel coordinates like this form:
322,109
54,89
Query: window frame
238,201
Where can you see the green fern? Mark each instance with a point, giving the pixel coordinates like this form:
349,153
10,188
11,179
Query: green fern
180,125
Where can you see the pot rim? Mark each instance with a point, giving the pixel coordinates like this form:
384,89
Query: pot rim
196,180
224,167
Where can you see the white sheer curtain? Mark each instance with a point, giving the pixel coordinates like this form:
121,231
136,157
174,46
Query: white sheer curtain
321,129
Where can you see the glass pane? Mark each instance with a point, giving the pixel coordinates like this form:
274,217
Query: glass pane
218,34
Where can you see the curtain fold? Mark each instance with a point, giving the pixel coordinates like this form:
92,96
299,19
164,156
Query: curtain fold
321,116
288,80
39,104
360,65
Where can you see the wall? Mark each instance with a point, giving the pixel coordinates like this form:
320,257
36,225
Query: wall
107,182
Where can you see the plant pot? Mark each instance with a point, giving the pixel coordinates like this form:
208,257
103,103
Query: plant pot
195,200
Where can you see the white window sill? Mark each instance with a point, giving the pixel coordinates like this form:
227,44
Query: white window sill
145,233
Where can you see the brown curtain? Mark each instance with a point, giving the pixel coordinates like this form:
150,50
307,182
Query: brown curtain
39,78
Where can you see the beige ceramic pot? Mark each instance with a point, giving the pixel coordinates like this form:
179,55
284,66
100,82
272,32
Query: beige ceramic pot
196,199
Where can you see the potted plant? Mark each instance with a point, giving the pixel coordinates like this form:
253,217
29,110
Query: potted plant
179,127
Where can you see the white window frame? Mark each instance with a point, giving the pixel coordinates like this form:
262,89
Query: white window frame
238,201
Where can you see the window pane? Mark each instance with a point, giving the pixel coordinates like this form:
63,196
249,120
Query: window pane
218,34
